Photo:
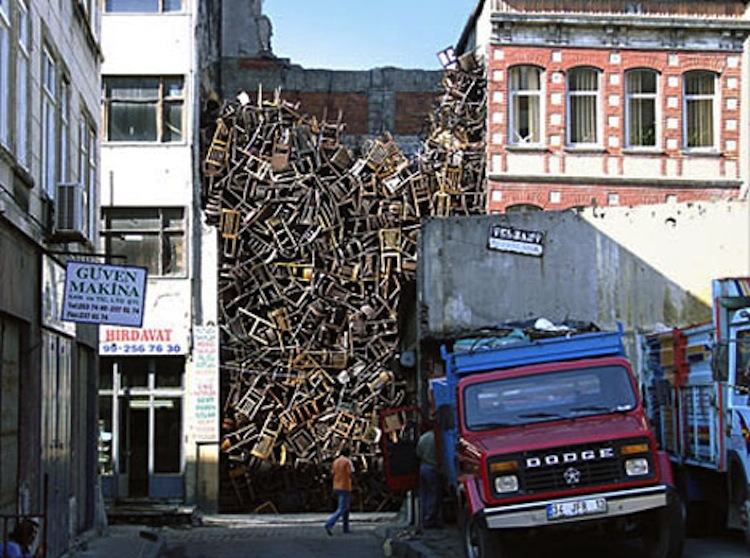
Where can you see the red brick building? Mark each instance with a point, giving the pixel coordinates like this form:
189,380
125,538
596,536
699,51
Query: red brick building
612,102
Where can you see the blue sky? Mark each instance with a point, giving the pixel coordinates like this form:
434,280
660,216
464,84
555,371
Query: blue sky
363,34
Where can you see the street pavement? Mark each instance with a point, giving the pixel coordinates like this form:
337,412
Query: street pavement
446,543
272,541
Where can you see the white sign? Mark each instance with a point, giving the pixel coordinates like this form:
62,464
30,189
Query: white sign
519,241
204,392
53,288
104,294
159,341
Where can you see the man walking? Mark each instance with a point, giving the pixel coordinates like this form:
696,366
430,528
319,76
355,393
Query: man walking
429,481
342,489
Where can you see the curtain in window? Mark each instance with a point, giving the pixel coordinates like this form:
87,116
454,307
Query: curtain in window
525,87
699,105
583,90
641,89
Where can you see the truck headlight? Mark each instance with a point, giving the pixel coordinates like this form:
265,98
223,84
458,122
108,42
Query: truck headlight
636,467
506,483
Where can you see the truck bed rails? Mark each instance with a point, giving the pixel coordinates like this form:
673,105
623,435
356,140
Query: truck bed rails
555,349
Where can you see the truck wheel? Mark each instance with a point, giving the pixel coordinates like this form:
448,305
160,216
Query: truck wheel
664,531
480,541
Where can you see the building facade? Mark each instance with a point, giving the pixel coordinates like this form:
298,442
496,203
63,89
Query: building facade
49,122
158,395
612,103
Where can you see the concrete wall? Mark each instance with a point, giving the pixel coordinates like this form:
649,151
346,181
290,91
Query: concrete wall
372,101
642,267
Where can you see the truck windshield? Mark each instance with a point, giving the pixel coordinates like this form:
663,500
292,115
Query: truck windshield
548,396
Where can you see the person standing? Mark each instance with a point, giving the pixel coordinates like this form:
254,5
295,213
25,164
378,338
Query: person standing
342,470
22,540
429,480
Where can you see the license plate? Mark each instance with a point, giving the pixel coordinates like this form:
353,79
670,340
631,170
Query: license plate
576,508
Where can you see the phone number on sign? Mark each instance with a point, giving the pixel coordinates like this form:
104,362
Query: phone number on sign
141,348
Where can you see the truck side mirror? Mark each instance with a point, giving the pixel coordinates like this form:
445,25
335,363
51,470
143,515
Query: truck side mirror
446,417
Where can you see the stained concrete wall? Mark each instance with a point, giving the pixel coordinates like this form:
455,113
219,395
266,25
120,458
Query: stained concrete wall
642,267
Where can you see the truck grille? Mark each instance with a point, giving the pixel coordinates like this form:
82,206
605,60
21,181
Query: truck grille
553,477
570,467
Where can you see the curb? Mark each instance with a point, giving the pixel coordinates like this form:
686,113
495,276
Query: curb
396,546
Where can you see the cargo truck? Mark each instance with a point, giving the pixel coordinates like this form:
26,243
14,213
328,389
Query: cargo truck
548,435
697,382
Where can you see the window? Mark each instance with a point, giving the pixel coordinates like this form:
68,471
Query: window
49,110
583,107
525,105
87,172
699,110
4,72
150,237
144,108
640,108
22,85
561,394
143,6
64,129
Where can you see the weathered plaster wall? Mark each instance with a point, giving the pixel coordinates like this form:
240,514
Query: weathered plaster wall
643,267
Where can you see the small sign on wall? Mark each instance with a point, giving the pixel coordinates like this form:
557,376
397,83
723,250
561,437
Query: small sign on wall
519,241
104,294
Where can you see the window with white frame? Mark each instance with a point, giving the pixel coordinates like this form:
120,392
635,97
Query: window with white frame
583,107
525,92
142,6
49,120
144,109
700,110
4,72
640,108
147,236
23,57
64,129
87,165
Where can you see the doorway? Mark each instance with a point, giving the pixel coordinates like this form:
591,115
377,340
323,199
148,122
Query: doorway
141,453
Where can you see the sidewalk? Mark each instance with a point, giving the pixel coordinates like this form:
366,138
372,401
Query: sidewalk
404,541
118,541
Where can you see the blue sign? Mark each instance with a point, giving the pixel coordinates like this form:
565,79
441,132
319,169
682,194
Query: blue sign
104,294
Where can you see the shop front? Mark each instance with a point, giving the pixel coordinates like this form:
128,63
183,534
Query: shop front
142,413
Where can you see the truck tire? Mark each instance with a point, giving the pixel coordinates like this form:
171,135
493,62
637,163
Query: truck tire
479,541
663,531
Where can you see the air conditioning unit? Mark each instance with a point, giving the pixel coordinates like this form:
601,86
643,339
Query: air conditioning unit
69,213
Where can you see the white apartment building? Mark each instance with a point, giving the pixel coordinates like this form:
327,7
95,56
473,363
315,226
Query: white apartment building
158,391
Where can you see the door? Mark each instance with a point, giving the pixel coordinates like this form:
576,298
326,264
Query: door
138,429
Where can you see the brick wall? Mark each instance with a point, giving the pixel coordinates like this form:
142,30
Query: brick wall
412,110
564,196
671,161
353,106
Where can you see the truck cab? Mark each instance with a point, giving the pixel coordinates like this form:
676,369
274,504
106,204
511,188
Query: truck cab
552,435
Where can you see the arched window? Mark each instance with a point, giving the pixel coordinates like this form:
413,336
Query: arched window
583,107
640,108
699,118
522,208
525,119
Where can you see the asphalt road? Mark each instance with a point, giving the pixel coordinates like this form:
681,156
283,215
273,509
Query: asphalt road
311,541
277,541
